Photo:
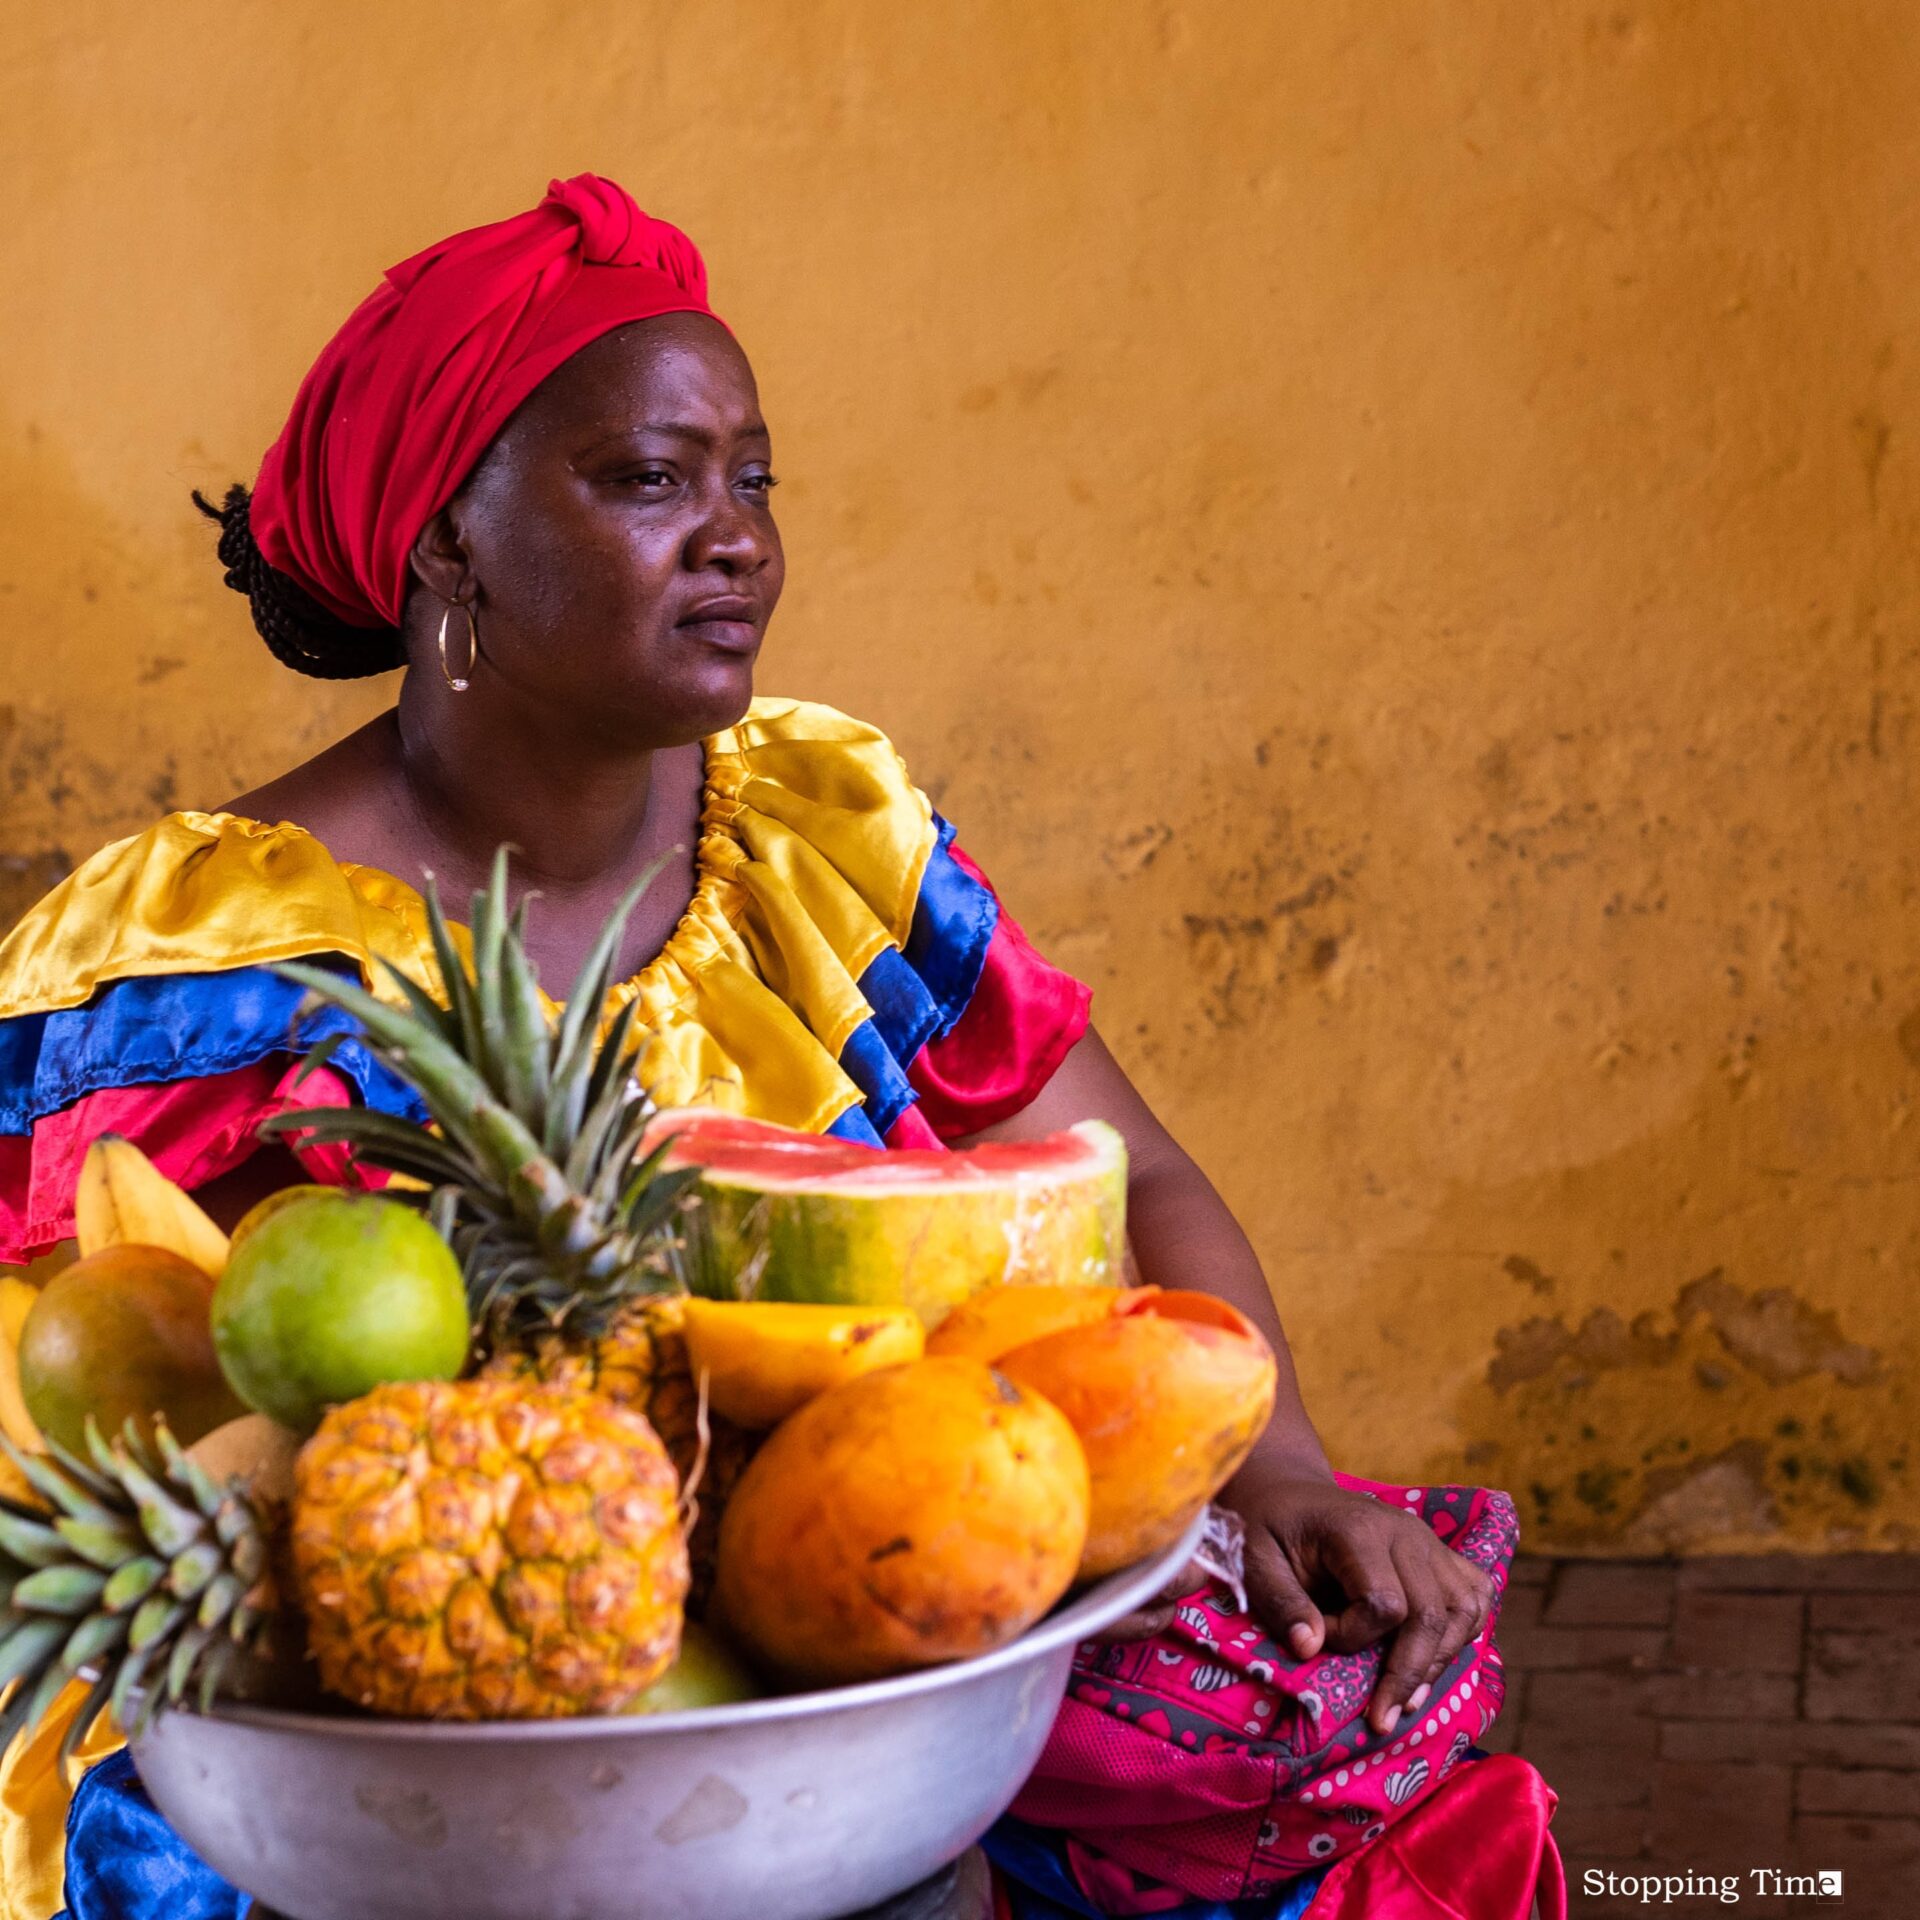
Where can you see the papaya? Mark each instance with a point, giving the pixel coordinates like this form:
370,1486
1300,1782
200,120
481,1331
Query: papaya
124,1334
923,1513
998,1319
764,1358
1168,1394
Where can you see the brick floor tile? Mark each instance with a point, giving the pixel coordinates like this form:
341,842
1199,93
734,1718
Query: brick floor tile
1723,1696
1802,1573
1880,1858
1862,1676
1857,1791
1709,1816
1538,1648
1894,1613
1738,1632
1616,1834
1602,1702
1520,1610
1599,1593
1586,1698
1833,1743
1856,1744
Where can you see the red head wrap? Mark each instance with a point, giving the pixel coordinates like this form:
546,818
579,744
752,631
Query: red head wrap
408,394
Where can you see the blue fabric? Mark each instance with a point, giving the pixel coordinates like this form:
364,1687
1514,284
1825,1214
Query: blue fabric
886,1092
919,994
1032,1862
953,923
855,1126
125,1863
152,1031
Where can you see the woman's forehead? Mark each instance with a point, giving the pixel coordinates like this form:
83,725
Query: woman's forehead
684,369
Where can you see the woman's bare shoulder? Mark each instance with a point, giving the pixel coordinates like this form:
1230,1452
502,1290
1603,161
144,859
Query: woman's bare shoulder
335,795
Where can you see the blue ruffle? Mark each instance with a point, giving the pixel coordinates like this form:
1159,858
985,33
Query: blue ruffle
917,995
125,1863
153,1031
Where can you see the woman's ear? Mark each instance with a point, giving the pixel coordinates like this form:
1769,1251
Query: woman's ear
439,561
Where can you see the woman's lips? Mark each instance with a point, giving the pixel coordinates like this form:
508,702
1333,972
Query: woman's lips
727,634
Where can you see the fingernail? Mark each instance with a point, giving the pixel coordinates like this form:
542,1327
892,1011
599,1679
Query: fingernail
1419,1697
1392,1719
1301,1639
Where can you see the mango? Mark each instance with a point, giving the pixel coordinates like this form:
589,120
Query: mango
765,1359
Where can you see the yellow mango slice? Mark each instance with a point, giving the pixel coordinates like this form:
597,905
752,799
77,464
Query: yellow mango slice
765,1358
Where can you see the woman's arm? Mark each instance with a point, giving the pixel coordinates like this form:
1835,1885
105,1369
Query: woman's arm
1379,1572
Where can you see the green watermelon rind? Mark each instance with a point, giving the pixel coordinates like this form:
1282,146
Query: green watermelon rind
919,1246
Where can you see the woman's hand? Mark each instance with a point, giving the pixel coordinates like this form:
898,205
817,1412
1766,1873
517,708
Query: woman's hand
1393,1576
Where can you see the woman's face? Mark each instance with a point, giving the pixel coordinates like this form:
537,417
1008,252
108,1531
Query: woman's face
619,537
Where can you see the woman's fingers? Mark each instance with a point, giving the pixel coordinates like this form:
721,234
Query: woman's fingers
1469,1605
1156,1614
1278,1600
1359,1558
1141,1624
1448,1602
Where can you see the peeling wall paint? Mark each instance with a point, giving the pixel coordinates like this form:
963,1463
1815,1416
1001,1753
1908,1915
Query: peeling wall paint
1394,534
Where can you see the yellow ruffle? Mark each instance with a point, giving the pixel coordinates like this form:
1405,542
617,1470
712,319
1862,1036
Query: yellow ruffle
34,1791
812,846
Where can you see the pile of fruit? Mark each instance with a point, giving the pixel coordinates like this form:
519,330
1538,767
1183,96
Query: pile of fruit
597,1410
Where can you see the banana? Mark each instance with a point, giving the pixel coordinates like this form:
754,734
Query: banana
16,1301
123,1198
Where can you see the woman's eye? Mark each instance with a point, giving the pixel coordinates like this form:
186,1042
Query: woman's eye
759,482
650,477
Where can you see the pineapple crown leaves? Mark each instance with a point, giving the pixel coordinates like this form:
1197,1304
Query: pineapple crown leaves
144,1577
555,1212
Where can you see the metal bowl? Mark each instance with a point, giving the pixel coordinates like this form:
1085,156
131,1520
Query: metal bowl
798,1808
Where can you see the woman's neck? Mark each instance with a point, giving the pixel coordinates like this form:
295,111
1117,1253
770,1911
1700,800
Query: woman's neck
578,812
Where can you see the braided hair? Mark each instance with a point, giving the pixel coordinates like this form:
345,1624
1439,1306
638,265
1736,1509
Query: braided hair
301,632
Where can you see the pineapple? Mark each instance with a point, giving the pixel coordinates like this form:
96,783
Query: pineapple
641,1362
488,1551
572,1240
469,1551
144,1575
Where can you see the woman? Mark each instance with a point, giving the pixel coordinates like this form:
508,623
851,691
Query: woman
533,469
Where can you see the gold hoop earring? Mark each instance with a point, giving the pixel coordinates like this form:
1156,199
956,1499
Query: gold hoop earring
460,681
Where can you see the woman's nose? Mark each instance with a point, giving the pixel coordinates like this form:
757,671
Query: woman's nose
730,534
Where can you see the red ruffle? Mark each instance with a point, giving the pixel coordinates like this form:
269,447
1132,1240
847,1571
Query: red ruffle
1024,1018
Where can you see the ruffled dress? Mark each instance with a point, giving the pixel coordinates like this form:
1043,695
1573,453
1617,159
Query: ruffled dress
843,967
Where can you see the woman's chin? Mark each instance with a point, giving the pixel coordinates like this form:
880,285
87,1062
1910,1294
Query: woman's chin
702,698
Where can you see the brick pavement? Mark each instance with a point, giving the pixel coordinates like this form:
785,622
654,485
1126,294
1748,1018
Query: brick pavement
1715,1716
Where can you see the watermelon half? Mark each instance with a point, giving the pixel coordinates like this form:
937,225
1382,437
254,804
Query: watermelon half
855,1225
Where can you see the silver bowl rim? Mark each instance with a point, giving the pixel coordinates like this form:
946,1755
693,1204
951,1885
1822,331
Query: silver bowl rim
1105,1600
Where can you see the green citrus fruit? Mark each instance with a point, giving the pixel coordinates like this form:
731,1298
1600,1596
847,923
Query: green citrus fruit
708,1673
333,1295
122,1335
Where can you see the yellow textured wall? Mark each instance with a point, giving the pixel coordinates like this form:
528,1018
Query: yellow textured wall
1391,528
